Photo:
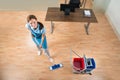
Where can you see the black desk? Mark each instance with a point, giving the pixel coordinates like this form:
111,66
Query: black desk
54,14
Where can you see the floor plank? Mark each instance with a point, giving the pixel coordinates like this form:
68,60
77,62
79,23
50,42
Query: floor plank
18,53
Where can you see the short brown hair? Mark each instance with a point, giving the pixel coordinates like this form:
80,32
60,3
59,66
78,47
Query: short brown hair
29,17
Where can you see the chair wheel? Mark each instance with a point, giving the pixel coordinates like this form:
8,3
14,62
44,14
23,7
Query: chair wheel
90,73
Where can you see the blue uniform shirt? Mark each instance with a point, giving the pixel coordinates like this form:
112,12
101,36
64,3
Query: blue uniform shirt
38,35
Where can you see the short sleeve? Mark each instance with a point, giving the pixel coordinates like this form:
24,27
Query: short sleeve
27,26
43,31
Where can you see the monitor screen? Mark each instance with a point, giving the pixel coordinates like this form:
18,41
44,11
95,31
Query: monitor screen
63,7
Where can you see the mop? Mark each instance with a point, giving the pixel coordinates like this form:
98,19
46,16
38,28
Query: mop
55,66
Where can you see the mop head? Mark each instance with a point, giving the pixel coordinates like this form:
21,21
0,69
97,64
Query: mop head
55,66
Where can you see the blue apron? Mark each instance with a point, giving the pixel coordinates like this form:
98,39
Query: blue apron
38,38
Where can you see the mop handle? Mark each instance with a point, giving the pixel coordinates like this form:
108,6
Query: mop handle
75,52
71,57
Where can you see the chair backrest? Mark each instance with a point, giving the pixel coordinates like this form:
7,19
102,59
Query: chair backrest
75,3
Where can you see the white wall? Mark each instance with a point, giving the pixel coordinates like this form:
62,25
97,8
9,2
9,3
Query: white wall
111,8
113,15
100,5
27,4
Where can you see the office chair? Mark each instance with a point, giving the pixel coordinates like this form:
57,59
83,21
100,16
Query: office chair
75,3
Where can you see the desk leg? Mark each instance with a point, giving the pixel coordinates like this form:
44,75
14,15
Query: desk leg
87,27
51,27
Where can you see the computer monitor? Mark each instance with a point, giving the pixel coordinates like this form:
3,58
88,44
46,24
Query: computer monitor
67,8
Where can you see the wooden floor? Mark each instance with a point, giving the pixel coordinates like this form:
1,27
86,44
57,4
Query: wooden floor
18,53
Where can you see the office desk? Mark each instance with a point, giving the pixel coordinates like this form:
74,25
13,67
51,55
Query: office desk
54,14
